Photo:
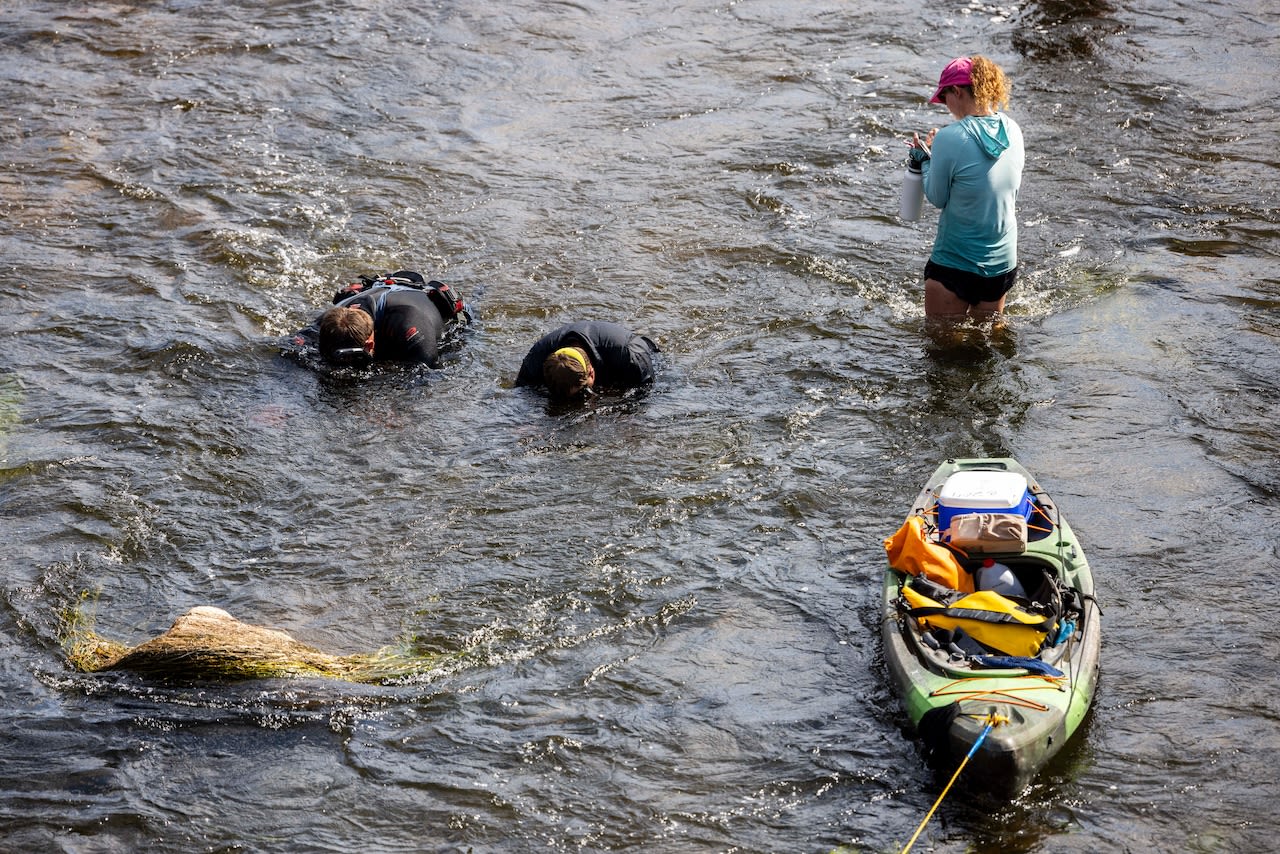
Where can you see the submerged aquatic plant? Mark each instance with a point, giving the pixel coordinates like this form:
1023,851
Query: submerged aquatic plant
208,643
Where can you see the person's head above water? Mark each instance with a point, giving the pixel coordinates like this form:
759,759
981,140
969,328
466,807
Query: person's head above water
568,373
346,335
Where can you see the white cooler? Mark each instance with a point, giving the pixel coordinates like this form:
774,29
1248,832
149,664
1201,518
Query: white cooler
983,492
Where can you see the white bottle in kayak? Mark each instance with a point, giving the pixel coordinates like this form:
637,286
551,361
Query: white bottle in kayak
1000,578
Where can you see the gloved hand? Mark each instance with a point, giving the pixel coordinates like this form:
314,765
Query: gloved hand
917,155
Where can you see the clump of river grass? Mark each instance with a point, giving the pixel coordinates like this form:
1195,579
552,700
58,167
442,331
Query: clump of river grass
208,643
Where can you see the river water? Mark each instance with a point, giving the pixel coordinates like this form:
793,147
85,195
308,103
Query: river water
659,613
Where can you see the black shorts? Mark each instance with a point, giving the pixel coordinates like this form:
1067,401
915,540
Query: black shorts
971,287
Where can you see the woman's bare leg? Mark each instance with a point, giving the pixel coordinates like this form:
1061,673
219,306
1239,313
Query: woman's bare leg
941,303
988,310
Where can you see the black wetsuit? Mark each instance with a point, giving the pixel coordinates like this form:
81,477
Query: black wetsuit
407,326
621,358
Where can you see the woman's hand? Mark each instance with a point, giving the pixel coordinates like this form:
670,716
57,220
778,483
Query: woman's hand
926,143
918,149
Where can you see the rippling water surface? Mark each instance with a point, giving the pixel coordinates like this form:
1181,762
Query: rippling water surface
661,611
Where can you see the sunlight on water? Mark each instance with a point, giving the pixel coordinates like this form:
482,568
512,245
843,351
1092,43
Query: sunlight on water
650,621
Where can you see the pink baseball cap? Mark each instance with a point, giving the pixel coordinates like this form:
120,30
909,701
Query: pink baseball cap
957,73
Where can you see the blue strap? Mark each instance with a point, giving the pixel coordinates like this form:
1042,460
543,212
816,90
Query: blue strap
1034,665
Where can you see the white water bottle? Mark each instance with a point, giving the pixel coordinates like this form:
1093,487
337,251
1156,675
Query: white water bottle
912,192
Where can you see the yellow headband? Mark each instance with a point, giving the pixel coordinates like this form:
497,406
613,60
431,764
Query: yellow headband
574,354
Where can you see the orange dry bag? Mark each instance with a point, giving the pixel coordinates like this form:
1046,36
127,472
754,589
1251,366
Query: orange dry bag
910,551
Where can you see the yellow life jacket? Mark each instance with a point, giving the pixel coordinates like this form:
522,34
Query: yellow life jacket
991,619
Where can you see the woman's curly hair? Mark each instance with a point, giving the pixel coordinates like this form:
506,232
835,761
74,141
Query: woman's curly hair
989,85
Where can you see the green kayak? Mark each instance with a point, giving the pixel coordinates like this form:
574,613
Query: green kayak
991,630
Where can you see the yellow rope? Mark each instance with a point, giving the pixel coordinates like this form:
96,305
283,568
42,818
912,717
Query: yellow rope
1054,682
992,720
997,697
1001,695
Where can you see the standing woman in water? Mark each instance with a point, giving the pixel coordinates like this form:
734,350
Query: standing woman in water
972,170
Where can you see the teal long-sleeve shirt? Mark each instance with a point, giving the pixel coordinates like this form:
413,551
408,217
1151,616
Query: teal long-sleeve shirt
973,176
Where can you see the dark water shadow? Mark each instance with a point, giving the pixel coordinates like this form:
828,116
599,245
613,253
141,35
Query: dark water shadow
1045,810
1064,29
602,403
974,397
